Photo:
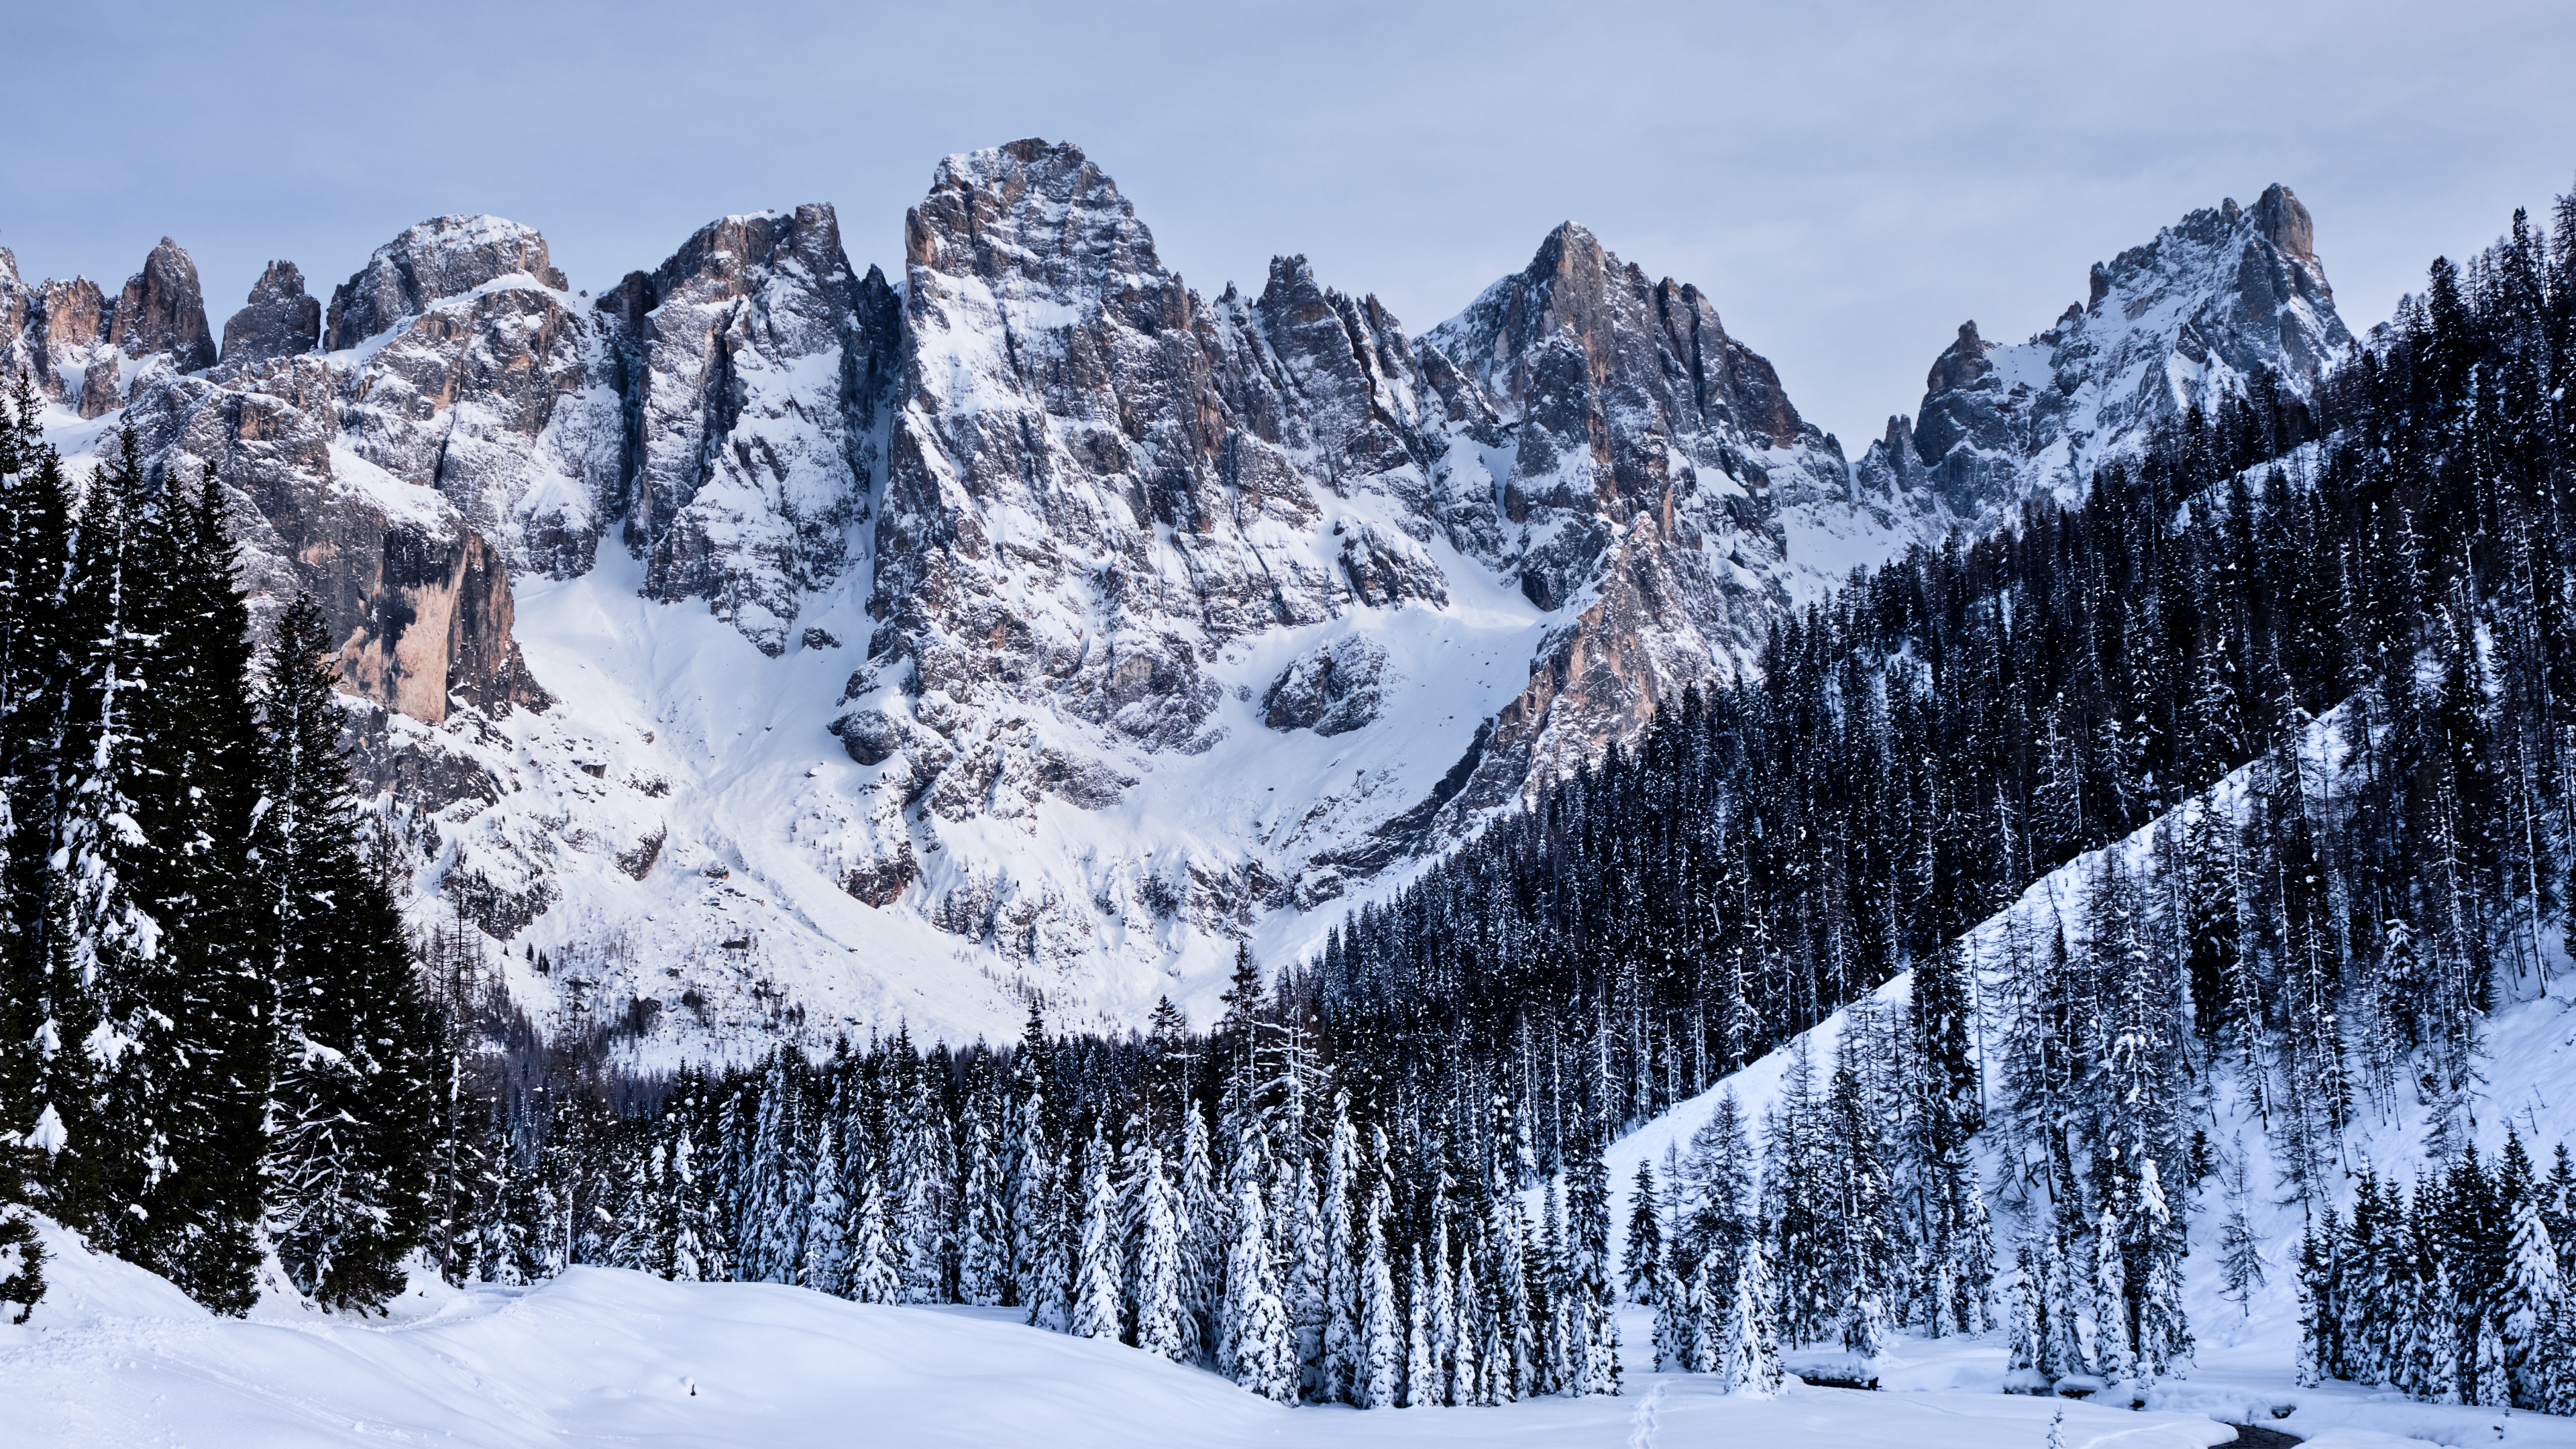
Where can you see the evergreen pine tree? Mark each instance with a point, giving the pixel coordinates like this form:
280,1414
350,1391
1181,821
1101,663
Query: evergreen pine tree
1161,1317
1442,1312
2240,1255
354,1106
826,1265
1677,1318
1644,1248
1377,1377
1750,1357
983,1236
1591,1318
875,1273
2532,1308
1095,1308
2111,1358
1257,1347
1339,1246
1421,1361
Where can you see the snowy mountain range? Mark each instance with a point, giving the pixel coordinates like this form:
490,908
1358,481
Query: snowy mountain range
765,644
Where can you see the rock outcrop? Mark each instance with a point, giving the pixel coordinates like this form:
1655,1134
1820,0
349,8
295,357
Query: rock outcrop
2219,299
163,310
279,320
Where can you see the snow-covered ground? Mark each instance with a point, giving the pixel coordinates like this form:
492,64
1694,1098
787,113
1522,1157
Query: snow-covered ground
117,1357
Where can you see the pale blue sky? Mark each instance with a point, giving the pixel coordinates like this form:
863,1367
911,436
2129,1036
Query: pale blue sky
1848,181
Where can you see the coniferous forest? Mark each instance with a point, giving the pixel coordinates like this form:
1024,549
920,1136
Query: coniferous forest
2318,650
214,1044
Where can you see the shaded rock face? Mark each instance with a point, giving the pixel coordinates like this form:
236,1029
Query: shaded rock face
1331,691
66,336
163,310
2217,299
279,320
1651,455
754,366
420,601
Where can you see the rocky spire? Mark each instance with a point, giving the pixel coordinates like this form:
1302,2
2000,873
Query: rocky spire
2286,224
162,310
280,319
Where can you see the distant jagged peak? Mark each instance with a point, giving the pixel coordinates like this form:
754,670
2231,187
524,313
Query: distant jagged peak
2214,300
1577,292
1032,218
443,257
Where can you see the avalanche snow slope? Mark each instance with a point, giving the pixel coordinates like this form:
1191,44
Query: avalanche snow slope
117,1357
697,823
2246,1354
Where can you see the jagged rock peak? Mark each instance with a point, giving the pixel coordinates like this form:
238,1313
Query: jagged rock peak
1036,214
442,257
733,253
2220,297
280,319
1576,289
2285,223
1961,363
162,309
754,328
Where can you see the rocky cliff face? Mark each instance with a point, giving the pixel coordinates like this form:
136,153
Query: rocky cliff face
2216,300
774,645
755,367
1646,458
279,320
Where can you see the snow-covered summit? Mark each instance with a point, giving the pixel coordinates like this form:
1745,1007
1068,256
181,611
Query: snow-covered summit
2217,301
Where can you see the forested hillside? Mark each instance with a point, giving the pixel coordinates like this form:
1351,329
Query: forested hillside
1378,1177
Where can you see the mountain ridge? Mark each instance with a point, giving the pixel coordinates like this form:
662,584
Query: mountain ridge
1095,566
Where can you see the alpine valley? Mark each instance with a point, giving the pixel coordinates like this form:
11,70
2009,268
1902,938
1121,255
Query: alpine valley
771,646
1009,851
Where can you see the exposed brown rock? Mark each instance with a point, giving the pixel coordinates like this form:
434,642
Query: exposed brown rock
162,309
280,319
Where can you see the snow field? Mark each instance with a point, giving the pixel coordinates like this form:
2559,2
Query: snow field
117,1357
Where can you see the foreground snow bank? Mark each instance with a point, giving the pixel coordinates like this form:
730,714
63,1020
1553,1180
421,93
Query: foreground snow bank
116,1356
